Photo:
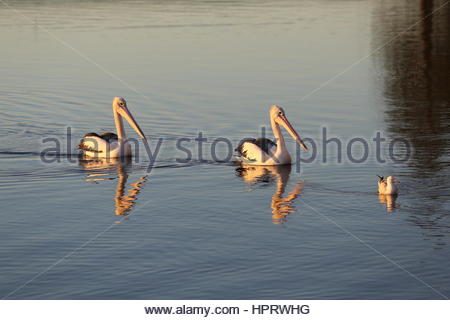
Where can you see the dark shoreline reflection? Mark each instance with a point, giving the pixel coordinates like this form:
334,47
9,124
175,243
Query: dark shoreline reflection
281,206
102,170
416,90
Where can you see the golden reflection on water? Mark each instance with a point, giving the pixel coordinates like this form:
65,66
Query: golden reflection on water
389,200
281,206
110,169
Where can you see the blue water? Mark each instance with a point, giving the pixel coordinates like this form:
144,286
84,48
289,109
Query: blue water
208,229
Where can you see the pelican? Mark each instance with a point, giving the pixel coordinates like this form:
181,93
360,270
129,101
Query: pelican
109,144
387,186
263,151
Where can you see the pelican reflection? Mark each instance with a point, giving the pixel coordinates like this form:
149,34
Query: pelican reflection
110,169
281,206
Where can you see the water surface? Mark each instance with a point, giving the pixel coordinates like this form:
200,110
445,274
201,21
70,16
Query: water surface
208,229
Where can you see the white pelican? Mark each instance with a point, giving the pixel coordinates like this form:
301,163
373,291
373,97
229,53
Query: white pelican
387,186
109,144
263,151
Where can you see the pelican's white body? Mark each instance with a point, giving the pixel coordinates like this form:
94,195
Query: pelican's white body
105,149
275,156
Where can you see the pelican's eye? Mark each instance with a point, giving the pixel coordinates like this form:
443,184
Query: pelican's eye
280,113
121,104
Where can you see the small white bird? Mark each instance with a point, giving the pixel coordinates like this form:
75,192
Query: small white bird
387,186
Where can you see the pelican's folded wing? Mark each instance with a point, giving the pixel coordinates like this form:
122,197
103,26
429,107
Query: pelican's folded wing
92,142
256,149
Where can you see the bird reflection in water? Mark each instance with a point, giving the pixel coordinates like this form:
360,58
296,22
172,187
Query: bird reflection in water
107,169
281,206
389,201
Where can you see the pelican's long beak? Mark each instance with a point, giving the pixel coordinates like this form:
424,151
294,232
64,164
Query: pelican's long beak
285,123
124,112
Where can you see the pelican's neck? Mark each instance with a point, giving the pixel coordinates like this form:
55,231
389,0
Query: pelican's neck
281,145
119,126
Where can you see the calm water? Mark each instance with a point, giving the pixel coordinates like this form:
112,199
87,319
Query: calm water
208,230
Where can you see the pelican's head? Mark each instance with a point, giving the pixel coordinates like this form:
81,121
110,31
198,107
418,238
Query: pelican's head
120,107
278,115
391,180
